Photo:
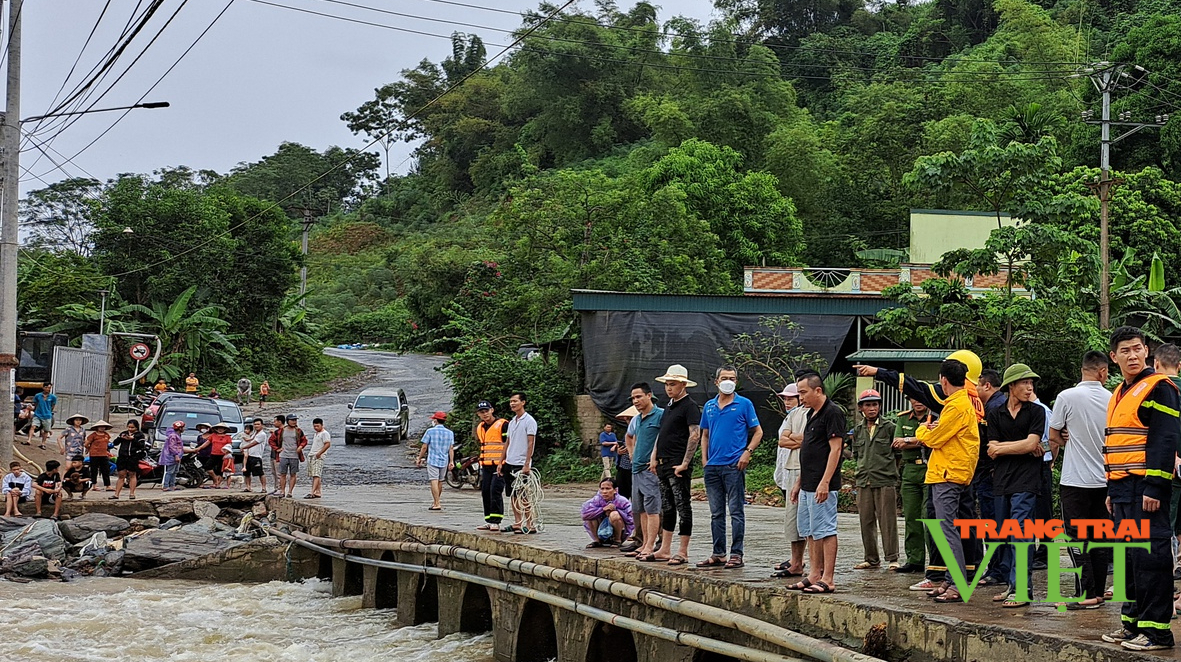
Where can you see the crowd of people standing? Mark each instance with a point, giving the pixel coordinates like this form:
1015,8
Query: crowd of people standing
976,445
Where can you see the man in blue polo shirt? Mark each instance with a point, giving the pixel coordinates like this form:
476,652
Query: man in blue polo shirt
730,432
645,486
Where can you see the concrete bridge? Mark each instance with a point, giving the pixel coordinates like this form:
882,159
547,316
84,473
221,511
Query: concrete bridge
552,606
543,598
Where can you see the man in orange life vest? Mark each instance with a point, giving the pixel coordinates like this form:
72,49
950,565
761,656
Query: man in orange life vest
1139,450
492,434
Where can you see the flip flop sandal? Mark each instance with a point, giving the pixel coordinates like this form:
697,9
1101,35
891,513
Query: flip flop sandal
313,496
484,527
1079,606
990,581
647,558
866,565
948,597
594,545
1013,604
712,562
782,566
1002,597
678,560
631,554
785,573
801,585
734,563
939,590
819,587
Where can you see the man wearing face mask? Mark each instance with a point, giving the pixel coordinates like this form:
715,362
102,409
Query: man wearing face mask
730,432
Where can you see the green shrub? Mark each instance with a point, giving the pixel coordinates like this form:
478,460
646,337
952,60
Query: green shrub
391,323
483,373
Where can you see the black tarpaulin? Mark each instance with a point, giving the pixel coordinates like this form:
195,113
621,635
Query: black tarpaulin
621,348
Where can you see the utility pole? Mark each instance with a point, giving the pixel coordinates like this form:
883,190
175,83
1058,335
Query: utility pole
9,195
1107,77
303,269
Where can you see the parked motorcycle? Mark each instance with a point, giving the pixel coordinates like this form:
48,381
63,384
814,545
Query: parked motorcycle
465,471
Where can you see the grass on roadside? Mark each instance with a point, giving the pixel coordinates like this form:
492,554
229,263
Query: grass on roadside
300,386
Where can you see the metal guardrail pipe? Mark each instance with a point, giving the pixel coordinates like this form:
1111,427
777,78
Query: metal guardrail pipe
774,634
668,634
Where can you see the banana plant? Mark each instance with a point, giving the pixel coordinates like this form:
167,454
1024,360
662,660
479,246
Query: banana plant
1145,301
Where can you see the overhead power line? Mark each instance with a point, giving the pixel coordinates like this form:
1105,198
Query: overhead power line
276,204
110,62
94,100
158,80
81,51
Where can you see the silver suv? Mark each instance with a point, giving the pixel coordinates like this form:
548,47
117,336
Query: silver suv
378,413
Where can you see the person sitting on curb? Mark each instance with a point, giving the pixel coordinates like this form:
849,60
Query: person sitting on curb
48,488
607,516
76,480
18,485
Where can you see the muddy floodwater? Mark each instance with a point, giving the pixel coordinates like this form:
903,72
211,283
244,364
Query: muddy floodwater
112,619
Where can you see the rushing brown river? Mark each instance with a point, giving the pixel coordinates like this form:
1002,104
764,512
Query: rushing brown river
113,619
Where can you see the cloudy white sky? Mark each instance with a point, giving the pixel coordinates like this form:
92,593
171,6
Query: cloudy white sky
261,75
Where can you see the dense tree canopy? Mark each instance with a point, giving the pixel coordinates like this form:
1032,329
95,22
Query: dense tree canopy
634,150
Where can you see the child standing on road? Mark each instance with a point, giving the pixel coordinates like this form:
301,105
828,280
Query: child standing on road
321,441
438,453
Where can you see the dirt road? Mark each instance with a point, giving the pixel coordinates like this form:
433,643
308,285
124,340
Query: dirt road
374,464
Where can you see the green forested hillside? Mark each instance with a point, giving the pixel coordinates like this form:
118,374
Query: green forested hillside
647,152
637,150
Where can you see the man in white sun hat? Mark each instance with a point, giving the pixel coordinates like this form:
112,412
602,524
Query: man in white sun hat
680,433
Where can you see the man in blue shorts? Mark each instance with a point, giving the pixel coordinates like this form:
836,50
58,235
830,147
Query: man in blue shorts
645,486
820,481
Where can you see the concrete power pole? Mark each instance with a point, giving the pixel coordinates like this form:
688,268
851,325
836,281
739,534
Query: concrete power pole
1107,78
303,270
10,154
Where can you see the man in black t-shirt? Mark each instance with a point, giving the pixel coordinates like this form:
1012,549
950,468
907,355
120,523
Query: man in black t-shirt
680,433
1014,444
820,480
48,486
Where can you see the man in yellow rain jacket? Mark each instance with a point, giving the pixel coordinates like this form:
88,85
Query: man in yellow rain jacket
955,448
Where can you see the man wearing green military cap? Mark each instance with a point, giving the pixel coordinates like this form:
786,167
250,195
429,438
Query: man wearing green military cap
1014,443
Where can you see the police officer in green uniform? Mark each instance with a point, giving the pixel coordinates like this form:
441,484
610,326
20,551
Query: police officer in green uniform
876,478
914,474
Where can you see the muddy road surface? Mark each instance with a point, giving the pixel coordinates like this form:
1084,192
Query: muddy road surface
371,463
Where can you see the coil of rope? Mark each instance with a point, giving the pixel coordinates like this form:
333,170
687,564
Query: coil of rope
527,498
